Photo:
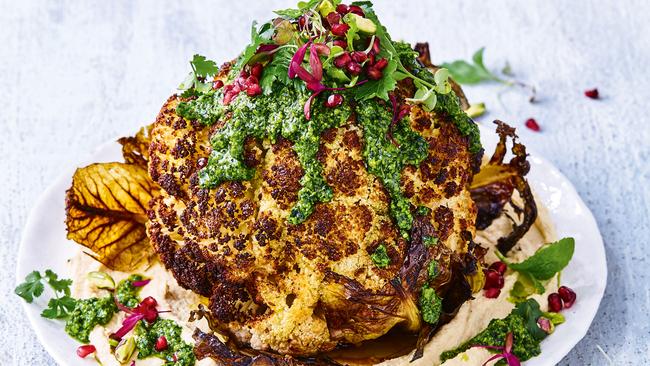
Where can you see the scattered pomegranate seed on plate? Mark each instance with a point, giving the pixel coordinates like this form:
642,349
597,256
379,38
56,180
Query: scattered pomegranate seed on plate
532,124
85,350
592,93
492,293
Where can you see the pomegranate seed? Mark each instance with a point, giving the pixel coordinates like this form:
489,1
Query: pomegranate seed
161,344
554,302
340,29
381,64
343,60
217,84
492,293
371,59
375,46
359,56
334,100
374,73
356,10
333,18
353,68
532,124
243,74
567,295
341,43
253,90
251,80
493,280
342,9
85,350
499,267
256,71
149,302
302,21
593,93
202,162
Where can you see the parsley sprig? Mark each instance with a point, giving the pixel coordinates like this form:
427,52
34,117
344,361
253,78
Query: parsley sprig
197,79
58,307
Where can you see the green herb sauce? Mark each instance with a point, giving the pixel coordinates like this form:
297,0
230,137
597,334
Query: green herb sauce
267,116
380,257
280,113
147,335
385,160
525,345
87,314
430,305
126,293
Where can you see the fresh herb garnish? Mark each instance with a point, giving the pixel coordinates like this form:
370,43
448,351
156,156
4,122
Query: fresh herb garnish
541,266
380,257
432,270
197,80
58,307
429,241
464,72
476,72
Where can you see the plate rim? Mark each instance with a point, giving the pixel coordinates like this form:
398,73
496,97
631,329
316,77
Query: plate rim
66,175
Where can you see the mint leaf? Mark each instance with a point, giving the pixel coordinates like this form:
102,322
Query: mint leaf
59,308
529,310
464,72
548,260
31,288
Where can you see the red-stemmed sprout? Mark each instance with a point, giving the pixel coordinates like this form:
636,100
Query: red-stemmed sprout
146,310
399,112
506,352
313,79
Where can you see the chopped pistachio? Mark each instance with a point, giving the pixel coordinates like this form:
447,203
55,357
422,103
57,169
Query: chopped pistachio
475,110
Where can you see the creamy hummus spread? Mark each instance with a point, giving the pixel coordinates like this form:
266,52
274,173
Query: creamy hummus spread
472,317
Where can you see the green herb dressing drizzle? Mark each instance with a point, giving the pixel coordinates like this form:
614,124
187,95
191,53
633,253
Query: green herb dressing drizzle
178,352
280,113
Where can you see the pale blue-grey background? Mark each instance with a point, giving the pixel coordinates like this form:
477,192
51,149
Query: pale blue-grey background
74,74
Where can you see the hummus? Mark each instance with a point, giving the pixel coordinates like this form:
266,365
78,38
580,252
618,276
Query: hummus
472,317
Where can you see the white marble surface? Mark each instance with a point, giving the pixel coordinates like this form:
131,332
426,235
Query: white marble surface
75,74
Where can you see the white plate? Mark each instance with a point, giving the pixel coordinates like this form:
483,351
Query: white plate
44,245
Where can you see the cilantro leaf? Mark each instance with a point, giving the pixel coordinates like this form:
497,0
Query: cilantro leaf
277,70
378,88
59,308
62,285
548,260
203,67
31,288
529,310
464,72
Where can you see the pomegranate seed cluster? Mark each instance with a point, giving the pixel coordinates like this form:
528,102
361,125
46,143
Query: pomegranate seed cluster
564,298
494,279
248,81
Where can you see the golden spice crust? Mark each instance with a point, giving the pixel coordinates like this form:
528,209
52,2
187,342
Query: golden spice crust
268,281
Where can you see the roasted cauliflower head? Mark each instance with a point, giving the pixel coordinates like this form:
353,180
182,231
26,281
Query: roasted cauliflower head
344,275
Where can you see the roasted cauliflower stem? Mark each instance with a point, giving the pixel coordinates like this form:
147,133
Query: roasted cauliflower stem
302,289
